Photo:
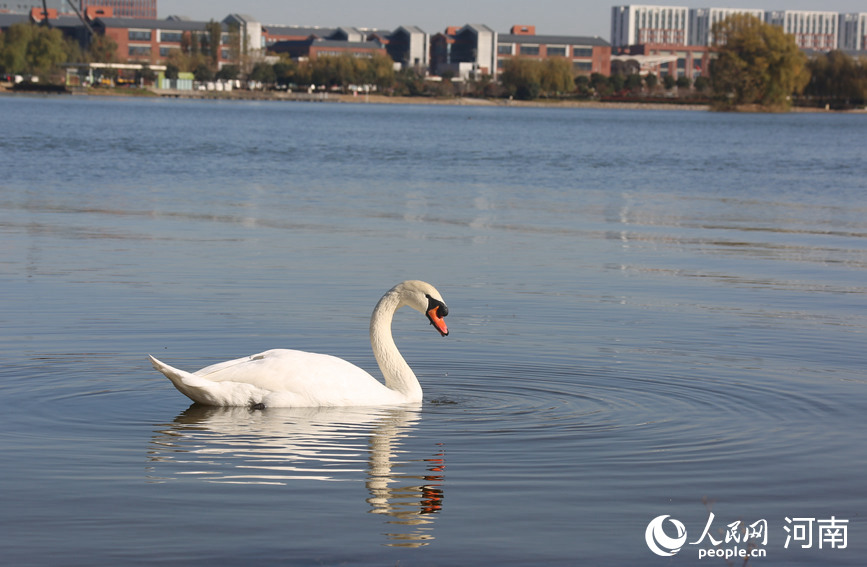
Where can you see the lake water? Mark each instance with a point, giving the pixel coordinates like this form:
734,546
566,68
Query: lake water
652,313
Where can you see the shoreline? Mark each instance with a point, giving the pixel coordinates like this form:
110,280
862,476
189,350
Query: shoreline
240,95
471,101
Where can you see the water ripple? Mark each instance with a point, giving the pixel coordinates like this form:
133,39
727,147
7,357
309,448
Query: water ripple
665,418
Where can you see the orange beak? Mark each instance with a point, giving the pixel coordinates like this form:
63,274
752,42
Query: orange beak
438,322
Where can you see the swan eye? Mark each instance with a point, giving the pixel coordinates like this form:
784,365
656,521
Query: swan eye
441,309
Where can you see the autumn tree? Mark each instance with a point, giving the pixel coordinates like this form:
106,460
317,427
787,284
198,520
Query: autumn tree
378,71
757,63
836,79
334,71
582,85
102,49
264,73
601,84
556,76
187,59
410,82
528,79
34,50
214,36
522,78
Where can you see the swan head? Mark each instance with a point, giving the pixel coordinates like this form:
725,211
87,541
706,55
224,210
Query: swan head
424,298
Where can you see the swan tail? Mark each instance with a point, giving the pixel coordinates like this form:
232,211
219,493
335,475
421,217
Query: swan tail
186,383
208,392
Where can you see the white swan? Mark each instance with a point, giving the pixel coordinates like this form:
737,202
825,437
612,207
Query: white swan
292,378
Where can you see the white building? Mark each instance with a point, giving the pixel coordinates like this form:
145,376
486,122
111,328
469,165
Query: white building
251,32
476,44
702,20
812,29
409,46
636,24
853,31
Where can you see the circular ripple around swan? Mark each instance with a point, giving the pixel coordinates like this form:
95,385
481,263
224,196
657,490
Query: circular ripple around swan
679,417
80,396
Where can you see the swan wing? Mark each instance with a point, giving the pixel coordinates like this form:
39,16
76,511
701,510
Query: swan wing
282,378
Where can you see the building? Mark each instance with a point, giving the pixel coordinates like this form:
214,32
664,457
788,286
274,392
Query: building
677,41
145,9
702,21
24,6
409,46
272,34
467,52
642,24
587,54
688,61
853,32
314,46
250,30
152,41
812,30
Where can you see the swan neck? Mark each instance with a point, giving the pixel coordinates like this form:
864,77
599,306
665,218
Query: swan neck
396,372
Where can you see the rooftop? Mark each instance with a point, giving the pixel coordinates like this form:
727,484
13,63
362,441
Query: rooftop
555,39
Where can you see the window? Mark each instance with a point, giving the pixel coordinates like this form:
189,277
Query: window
172,37
581,51
139,35
139,50
504,49
556,51
582,65
166,51
529,50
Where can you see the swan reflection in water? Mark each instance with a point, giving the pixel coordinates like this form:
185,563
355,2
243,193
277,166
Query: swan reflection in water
278,446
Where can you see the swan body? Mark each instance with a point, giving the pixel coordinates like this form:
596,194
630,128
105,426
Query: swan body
293,378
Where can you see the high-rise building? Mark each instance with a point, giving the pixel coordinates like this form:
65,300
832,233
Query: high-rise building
853,31
146,9
812,30
702,21
642,24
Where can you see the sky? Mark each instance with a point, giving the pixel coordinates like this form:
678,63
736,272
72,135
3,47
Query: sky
551,17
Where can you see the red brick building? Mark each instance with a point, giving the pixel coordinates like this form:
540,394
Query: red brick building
152,41
313,47
587,54
276,34
325,42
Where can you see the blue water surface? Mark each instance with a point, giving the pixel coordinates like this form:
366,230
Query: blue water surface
651,312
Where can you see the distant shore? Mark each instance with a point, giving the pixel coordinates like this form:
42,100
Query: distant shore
373,99
384,99
470,101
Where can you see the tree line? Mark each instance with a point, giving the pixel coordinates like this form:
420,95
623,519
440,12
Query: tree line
755,64
36,50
